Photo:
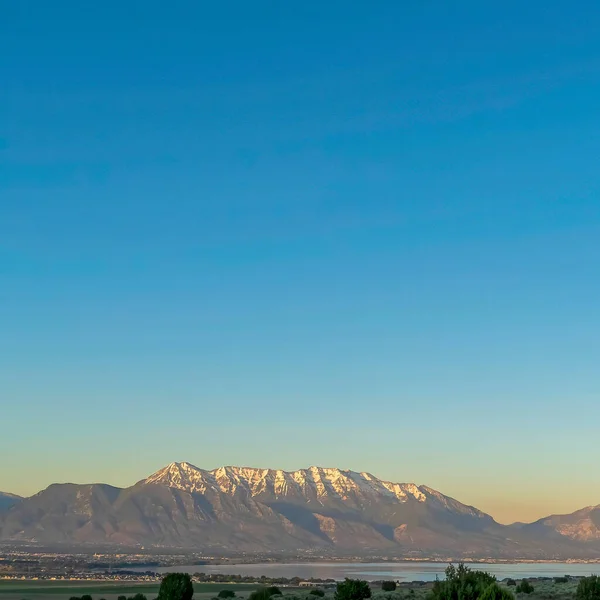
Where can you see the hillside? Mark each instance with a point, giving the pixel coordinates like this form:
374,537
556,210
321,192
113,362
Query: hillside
239,509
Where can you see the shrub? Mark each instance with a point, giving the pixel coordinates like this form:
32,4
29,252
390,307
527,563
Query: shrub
86,597
388,586
561,580
495,592
226,594
317,592
511,582
352,589
525,587
264,593
588,588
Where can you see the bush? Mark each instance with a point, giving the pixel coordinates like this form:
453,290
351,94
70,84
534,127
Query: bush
352,589
316,592
561,580
495,592
511,582
264,593
588,588
463,584
388,586
226,594
138,596
176,586
86,597
525,587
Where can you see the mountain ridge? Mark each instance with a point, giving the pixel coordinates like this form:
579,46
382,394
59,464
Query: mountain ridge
318,509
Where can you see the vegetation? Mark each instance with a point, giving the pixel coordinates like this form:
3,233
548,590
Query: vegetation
352,589
265,593
175,586
511,582
588,588
388,586
226,594
137,596
317,592
525,587
564,579
462,583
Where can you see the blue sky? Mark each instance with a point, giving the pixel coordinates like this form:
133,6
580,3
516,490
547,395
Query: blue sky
354,234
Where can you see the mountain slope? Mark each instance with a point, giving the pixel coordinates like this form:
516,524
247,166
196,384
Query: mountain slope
239,509
582,525
8,500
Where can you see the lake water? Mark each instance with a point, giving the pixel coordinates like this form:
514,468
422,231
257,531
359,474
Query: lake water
400,571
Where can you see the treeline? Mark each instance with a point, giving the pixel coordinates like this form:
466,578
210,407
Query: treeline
223,578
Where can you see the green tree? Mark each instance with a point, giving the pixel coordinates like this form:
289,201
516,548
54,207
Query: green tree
461,583
176,586
524,587
317,592
511,582
588,588
138,596
86,597
122,598
226,594
264,593
388,586
495,592
352,589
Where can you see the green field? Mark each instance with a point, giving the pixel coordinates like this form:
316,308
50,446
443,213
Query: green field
50,590
63,590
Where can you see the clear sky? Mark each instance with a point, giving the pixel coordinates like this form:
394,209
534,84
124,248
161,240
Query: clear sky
354,234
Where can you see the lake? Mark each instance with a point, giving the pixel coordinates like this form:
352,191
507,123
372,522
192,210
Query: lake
400,571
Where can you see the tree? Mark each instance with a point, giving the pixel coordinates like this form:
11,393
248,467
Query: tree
352,589
317,592
511,582
495,592
176,586
588,588
524,587
388,586
264,593
86,597
462,584
122,598
226,594
138,596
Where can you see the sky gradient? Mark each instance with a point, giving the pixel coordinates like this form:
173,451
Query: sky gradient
363,235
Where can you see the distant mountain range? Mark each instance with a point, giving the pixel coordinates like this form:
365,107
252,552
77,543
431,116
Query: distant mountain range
328,511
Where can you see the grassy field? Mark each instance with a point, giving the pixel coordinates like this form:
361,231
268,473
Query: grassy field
63,590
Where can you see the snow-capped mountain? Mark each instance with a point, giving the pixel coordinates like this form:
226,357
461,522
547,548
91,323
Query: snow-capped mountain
313,484
233,509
